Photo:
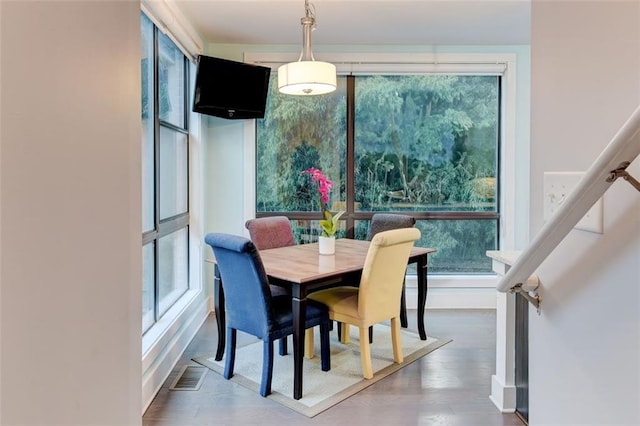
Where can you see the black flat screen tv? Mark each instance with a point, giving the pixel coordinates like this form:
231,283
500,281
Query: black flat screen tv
230,89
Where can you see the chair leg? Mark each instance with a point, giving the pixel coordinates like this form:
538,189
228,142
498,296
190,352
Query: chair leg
403,309
267,368
308,343
325,348
283,346
231,353
396,340
365,353
344,328
403,313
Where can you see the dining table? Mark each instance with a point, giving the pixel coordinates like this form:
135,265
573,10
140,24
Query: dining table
302,270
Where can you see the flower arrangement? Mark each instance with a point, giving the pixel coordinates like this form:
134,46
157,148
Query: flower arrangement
329,224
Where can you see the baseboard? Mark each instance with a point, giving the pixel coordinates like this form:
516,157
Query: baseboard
455,292
503,396
163,354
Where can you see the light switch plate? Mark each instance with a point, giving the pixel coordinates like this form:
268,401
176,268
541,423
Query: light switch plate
557,186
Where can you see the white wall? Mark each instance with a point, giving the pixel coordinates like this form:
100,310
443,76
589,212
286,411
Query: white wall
224,175
70,198
584,346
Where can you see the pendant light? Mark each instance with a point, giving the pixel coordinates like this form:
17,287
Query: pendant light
307,76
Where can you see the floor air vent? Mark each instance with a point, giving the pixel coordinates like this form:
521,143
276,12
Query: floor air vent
189,378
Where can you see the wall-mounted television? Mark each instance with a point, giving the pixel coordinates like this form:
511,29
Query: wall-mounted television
230,89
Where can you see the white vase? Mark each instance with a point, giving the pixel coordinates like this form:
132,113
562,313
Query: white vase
327,245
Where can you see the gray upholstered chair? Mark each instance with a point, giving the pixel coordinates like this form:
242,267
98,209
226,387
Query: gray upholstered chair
387,221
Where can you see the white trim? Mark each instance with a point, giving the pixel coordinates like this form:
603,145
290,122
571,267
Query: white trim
249,175
503,381
503,396
401,63
166,341
168,18
456,281
508,157
150,346
454,292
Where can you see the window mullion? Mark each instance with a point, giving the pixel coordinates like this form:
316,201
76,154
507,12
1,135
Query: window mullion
350,178
156,173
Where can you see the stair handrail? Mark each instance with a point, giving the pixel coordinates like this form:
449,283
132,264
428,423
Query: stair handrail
612,162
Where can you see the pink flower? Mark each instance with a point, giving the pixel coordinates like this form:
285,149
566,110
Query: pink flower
329,224
324,184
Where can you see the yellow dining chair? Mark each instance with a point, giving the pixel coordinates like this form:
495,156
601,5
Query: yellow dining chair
377,298
385,222
381,222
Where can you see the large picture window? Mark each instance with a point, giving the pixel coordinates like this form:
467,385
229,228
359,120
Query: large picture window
165,170
422,144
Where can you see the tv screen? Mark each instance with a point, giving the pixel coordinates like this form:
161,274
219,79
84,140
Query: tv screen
230,89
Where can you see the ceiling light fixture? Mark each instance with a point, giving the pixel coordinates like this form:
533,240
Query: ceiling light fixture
307,76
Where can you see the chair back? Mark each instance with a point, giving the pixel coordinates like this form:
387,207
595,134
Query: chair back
245,283
381,222
383,273
270,232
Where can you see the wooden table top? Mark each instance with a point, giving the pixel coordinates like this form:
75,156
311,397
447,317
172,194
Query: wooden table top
302,263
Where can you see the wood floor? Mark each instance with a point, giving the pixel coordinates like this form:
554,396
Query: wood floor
448,387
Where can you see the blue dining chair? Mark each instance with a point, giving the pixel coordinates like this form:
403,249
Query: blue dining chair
250,308
267,233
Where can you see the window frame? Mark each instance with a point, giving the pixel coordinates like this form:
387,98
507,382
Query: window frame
351,215
166,226
500,64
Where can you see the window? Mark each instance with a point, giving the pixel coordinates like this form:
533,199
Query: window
165,170
420,144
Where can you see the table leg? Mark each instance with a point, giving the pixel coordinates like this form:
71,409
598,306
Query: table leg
422,294
218,304
403,308
299,307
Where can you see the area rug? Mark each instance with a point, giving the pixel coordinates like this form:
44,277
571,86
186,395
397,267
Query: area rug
321,390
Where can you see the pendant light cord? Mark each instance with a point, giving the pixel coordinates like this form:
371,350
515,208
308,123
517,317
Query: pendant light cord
308,24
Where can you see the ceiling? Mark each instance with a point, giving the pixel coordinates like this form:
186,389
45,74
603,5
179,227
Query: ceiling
362,22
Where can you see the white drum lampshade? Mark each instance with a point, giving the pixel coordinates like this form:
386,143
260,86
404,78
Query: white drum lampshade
307,76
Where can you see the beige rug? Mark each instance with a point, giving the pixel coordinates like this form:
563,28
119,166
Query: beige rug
322,390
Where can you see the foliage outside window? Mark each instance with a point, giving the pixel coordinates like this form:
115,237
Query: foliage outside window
424,145
165,145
